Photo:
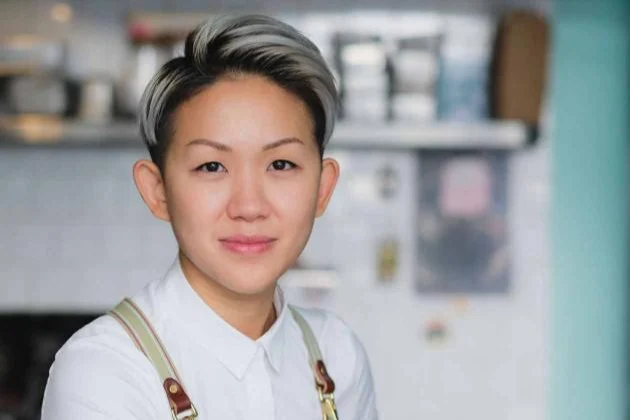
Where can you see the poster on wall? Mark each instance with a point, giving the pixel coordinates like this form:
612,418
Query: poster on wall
462,223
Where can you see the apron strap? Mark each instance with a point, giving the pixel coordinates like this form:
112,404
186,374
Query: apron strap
133,320
145,338
323,382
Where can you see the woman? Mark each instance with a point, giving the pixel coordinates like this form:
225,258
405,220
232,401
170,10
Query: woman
236,130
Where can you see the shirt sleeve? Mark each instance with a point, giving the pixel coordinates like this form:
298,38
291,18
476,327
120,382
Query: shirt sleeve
363,384
93,382
351,371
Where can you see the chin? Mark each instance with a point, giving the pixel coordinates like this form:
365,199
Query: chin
249,288
239,279
249,284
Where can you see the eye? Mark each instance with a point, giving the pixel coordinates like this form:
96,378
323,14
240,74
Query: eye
211,167
282,165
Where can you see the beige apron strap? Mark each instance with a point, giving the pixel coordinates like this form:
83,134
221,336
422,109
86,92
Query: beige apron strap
323,382
141,332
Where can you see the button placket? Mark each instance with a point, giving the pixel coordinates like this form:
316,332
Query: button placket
259,391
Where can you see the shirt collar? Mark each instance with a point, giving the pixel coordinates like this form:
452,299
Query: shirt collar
273,341
231,347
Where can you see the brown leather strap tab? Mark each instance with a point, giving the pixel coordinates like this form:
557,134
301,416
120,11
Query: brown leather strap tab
324,381
177,397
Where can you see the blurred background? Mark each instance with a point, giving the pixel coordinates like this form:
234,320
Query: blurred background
477,240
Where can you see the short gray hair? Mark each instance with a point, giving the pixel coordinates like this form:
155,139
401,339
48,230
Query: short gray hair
232,45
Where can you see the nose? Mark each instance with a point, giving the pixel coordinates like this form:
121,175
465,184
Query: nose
248,201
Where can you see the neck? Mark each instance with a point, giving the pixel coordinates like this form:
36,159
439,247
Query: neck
252,315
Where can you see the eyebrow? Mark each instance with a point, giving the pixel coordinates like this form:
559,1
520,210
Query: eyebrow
282,142
206,142
225,148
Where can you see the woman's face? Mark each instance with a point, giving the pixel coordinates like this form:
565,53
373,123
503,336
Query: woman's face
243,183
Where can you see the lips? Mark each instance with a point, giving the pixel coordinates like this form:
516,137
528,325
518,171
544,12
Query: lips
247,245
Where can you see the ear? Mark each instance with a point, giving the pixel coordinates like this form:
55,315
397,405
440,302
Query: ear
327,182
150,184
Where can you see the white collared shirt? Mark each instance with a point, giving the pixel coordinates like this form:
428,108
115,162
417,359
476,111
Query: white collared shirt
100,374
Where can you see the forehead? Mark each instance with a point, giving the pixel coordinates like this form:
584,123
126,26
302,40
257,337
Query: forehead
243,110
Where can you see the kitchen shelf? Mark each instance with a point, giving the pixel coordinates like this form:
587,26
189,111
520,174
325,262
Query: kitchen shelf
49,131
506,135
437,135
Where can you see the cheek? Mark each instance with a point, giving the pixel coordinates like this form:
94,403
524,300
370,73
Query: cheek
192,204
297,202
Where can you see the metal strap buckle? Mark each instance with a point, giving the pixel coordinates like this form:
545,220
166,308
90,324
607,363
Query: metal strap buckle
185,415
329,410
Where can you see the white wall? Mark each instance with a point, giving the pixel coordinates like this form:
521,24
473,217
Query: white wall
74,235
492,363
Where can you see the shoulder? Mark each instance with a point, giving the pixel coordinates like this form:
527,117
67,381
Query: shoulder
342,350
330,330
103,338
99,371
346,362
